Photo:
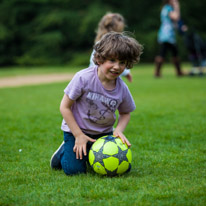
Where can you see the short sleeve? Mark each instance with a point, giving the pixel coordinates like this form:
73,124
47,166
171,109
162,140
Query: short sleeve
128,104
75,88
91,59
169,9
125,72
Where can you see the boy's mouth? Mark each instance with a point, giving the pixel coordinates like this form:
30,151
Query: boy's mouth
114,72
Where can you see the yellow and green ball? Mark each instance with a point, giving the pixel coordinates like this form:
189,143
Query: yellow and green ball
109,156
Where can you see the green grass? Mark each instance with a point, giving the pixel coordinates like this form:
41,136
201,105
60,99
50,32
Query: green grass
167,132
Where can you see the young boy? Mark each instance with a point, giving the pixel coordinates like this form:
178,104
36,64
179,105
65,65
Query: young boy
91,99
110,22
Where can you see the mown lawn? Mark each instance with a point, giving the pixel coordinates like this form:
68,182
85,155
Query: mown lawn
167,132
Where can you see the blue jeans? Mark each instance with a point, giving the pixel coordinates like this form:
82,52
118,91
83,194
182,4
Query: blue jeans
69,163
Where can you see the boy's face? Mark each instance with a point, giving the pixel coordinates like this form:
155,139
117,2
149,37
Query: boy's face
111,68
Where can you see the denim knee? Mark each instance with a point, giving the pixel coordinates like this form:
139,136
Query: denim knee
69,163
72,169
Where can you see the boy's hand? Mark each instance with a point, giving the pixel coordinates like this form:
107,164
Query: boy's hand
122,137
80,146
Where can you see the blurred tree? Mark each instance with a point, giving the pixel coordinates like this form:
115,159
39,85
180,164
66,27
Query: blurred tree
38,32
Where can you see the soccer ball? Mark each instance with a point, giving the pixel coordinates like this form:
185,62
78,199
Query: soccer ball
109,156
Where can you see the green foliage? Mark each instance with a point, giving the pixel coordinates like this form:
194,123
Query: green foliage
80,59
42,32
150,45
167,132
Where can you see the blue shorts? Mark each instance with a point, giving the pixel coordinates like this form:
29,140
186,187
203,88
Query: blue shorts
69,163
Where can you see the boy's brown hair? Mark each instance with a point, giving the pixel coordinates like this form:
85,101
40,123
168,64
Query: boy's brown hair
118,46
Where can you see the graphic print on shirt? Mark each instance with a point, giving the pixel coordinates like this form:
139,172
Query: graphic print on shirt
101,108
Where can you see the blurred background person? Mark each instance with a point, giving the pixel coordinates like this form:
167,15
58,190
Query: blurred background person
170,14
196,48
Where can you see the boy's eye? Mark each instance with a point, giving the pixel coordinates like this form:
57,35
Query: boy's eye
114,60
122,62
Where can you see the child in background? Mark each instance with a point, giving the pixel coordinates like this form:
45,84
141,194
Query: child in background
111,22
91,99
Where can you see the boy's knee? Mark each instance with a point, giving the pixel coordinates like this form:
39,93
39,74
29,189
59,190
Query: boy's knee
72,169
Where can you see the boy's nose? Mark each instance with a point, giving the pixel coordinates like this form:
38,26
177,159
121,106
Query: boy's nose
116,65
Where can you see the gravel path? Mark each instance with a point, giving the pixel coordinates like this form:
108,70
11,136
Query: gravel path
34,79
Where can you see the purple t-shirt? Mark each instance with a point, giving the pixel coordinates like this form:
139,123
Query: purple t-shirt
94,107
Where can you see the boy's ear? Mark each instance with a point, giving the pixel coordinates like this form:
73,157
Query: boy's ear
98,62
